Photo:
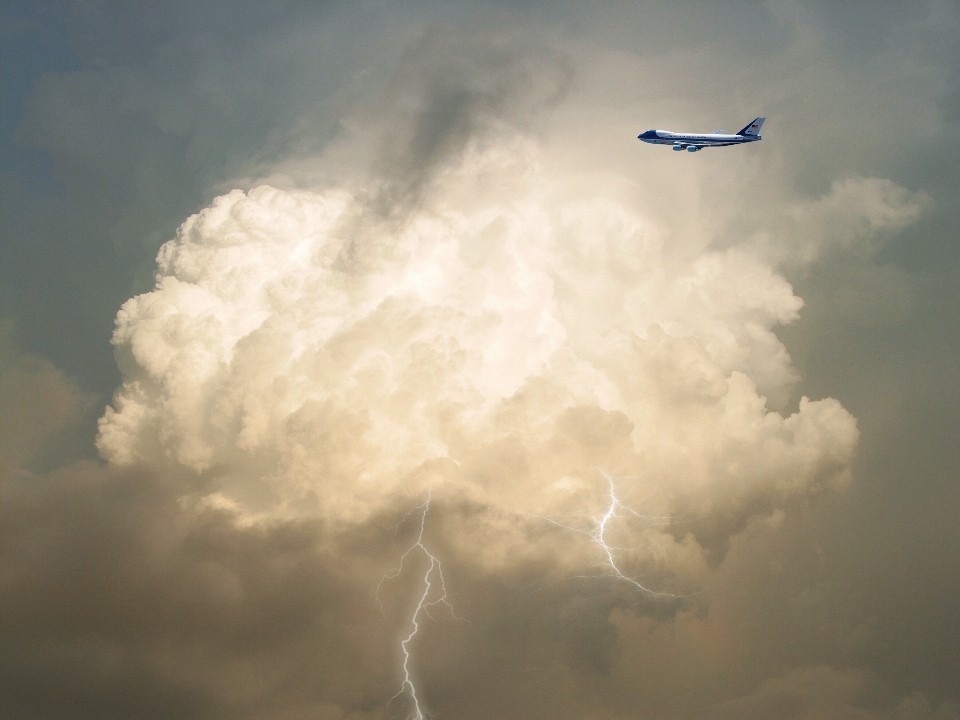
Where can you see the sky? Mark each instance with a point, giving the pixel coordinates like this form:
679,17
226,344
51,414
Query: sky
357,361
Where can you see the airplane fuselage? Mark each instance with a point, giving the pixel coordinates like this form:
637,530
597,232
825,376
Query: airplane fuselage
663,137
698,141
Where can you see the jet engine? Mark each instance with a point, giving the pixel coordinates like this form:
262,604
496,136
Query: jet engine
678,147
692,148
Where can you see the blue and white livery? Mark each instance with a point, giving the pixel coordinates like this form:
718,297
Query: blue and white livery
692,143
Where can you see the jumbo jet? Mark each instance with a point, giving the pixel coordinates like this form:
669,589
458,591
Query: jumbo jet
692,143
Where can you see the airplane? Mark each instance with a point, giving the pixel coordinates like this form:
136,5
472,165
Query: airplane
692,143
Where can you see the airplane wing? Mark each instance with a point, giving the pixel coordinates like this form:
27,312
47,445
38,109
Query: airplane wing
702,145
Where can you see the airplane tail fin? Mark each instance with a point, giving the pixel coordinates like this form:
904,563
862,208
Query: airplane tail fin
753,128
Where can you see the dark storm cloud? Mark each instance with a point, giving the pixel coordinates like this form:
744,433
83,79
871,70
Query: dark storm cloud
119,603
449,89
122,602
123,598
40,410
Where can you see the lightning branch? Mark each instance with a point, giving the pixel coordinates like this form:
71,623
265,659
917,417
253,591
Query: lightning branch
433,596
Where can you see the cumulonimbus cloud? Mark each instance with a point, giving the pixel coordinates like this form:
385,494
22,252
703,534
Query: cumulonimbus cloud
507,346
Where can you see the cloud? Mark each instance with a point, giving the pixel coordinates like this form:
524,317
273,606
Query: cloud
120,601
510,335
857,214
830,693
37,404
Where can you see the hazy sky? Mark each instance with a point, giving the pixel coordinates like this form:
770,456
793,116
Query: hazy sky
272,274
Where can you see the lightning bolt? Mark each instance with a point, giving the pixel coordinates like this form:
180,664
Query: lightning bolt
598,535
433,586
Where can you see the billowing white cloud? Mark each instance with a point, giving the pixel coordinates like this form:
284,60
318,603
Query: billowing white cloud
507,339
